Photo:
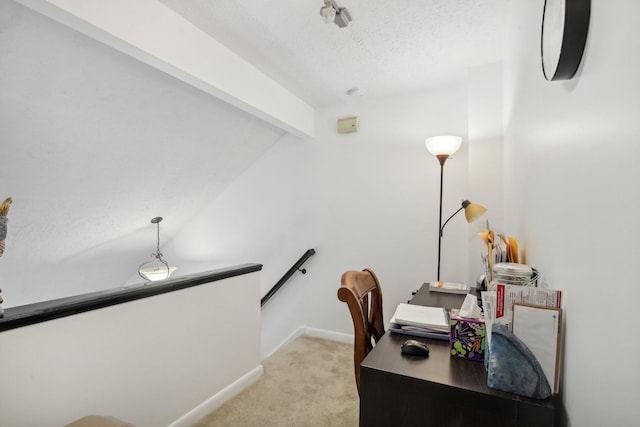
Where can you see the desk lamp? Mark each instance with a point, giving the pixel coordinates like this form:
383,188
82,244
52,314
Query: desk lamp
442,147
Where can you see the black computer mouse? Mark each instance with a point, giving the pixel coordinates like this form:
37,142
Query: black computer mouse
415,347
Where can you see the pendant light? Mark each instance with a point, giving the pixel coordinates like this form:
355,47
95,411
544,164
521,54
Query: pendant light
156,268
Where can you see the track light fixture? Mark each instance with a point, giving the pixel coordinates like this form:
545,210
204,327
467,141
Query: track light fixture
331,12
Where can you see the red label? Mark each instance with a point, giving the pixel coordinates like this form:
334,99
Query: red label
499,301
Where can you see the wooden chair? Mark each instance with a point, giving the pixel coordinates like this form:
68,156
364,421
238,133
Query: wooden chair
361,291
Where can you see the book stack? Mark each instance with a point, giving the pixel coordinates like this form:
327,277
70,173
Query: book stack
421,321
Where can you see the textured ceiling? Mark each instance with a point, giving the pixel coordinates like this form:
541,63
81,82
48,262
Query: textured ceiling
389,47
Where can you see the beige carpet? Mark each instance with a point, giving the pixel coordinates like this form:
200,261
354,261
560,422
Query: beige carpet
307,383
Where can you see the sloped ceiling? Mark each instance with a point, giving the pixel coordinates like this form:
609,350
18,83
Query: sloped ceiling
94,145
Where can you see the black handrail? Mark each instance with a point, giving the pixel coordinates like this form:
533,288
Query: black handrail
288,274
30,314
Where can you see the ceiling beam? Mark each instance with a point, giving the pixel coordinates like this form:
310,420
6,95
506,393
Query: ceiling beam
152,33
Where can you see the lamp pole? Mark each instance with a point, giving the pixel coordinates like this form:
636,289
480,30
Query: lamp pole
442,147
441,158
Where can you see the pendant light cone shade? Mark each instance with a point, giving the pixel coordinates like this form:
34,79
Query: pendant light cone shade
472,211
445,145
157,272
157,268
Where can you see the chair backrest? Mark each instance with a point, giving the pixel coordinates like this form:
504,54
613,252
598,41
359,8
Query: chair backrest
361,291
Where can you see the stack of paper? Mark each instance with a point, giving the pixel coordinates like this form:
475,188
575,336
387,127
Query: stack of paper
412,317
508,295
540,329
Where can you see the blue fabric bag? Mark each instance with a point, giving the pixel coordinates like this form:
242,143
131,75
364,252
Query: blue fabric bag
512,367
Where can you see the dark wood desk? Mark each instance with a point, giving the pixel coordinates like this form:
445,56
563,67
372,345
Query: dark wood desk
398,390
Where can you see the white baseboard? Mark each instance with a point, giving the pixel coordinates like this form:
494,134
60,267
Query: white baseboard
315,333
295,334
328,335
218,399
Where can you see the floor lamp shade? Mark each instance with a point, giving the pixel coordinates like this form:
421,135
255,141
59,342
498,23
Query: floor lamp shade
443,145
472,211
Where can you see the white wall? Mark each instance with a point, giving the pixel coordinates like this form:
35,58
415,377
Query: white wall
153,362
571,162
367,199
486,167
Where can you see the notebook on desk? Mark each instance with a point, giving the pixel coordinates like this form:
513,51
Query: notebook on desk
421,321
416,332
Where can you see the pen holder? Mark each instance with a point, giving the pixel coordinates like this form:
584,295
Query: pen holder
467,337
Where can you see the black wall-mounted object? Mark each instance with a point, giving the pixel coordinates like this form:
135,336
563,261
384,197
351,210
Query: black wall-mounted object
25,315
565,24
296,267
